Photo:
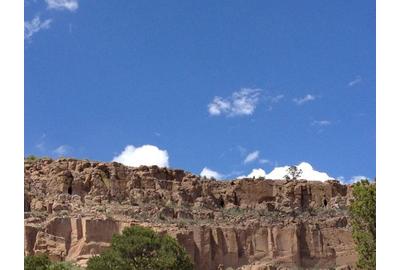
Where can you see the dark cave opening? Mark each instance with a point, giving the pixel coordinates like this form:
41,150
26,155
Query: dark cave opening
221,202
235,199
27,205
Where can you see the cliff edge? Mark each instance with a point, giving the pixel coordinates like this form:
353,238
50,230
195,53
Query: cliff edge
73,207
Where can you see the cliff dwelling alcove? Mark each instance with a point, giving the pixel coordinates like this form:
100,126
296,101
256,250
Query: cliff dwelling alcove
266,199
69,186
221,202
304,198
27,204
67,178
235,199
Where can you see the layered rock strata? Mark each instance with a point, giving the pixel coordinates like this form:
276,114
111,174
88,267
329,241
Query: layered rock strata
73,207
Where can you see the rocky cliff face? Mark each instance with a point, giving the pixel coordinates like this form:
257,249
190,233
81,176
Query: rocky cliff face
73,207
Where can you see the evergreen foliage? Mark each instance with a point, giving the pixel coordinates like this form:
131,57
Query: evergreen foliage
139,248
363,222
38,262
42,262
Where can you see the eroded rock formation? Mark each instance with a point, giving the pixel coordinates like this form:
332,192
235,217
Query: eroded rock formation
73,207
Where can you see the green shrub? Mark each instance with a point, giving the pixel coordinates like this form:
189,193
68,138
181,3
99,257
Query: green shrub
363,222
139,248
63,266
42,262
31,158
37,262
235,211
181,224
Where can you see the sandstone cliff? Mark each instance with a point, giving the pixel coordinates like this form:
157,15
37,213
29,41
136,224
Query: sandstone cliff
73,207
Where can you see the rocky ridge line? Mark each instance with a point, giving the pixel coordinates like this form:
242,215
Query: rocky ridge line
72,208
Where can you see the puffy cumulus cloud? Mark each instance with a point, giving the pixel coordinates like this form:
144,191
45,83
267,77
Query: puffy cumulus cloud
206,172
144,155
305,99
256,173
279,173
352,179
357,178
242,102
219,106
34,26
70,5
341,179
308,173
251,157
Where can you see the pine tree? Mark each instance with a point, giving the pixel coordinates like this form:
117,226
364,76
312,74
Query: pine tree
363,222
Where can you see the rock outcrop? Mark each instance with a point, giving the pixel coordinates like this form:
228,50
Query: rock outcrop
73,207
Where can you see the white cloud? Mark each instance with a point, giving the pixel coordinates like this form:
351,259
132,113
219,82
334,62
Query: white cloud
302,100
279,173
341,179
206,172
70,5
34,26
143,155
357,178
251,157
242,102
219,106
357,80
256,173
321,123
61,150
352,180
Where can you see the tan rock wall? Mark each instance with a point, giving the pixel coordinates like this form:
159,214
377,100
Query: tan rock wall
73,208
306,245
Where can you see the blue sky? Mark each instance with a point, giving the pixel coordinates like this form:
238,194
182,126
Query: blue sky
212,83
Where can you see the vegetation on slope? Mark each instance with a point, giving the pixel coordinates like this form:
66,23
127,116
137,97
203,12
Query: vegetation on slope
139,248
42,262
363,221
